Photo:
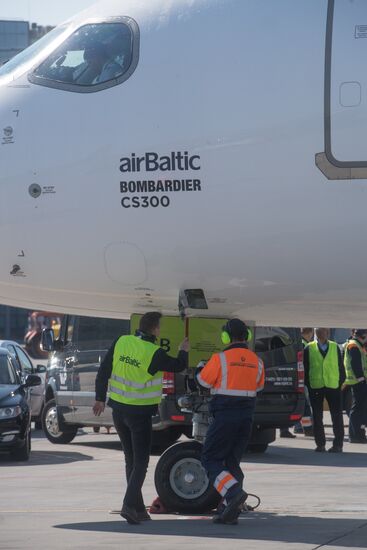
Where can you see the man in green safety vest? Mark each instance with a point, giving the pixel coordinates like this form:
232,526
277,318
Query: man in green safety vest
355,362
133,368
324,376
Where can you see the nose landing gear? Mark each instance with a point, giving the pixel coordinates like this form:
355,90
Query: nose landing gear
181,481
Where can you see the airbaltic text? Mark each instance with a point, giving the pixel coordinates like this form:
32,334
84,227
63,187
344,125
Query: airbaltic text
151,162
129,361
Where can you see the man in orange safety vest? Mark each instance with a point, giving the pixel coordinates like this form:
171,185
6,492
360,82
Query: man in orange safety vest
234,377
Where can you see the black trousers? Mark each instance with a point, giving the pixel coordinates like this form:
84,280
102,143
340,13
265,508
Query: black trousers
334,399
135,433
358,411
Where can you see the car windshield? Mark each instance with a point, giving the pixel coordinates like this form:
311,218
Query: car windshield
28,57
7,374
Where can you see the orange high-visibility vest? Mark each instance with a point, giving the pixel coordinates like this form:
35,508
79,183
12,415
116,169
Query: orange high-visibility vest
237,371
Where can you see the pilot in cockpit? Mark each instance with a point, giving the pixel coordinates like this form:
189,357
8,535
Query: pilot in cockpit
101,67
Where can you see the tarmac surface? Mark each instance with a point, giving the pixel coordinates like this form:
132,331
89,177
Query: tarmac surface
63,498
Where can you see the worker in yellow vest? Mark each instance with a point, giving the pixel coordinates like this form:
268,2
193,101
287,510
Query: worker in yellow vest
133,368
355,362
324,376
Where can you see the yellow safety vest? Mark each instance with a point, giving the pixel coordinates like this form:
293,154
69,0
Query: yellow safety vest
130,381
324,371
351,380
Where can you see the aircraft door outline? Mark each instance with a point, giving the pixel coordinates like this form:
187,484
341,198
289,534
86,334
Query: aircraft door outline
345,92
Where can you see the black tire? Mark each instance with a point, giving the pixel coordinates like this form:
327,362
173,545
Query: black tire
257,448
162,439
176,493
51,427
23,453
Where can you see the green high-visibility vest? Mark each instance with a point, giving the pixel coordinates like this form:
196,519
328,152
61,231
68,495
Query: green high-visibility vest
130,382
351,379
324,371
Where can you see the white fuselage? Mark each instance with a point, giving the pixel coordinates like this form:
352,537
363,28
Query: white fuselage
198,171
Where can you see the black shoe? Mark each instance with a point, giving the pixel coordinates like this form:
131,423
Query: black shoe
143,516
130,515
231,511
320,449
308,432
287,434
298,430
358,440
335,449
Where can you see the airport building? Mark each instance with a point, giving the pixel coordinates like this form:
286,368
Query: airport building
14,37
17,35
13,323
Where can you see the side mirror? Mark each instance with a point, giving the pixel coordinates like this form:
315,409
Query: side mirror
32,380
41,369
48,339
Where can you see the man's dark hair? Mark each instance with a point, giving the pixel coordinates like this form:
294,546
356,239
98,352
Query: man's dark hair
150,321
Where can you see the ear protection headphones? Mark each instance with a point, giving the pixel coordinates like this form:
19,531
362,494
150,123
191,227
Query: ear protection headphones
227,333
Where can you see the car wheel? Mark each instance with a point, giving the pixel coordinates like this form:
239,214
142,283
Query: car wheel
181,481
50,425
23,453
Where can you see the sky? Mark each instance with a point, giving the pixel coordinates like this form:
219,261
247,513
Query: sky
43,12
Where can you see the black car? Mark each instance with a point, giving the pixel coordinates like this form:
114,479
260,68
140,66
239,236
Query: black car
15,412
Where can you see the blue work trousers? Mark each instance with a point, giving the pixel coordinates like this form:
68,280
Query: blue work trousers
226,441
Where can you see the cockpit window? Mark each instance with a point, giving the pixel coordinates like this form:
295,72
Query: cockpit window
96,56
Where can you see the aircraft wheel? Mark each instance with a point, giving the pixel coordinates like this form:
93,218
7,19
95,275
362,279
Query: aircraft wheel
181,481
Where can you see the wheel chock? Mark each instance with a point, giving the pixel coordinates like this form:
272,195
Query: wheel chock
157,507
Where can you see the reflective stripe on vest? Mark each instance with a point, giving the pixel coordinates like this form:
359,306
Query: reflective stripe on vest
223,390
261,368
324,371
132,384
130,381
351,379
135,395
